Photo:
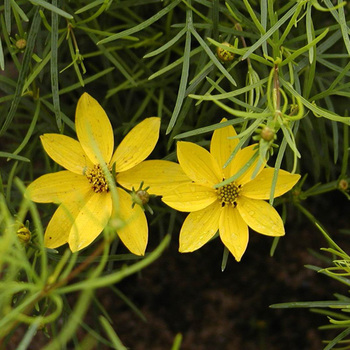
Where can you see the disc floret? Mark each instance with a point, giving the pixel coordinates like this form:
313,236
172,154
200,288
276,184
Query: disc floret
228,194
97,179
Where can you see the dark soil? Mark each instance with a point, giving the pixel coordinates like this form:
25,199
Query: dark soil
214,310
188,294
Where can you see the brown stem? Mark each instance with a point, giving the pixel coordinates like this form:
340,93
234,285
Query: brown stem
50,287
276,89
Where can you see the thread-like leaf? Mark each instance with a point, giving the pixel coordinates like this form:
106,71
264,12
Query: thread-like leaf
23,70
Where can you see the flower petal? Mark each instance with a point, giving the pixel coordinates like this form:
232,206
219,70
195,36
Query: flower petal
198,164
260,216
199,227
234,231
57,231
90,221
222,145
190,197
241,159
260,186
160,175
58,187
137,144
66,151
134,234
94,129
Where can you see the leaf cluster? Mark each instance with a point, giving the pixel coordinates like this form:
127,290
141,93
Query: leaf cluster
140,58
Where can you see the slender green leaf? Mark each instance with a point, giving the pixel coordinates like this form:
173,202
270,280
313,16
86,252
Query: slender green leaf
54,67
242,114
52,8
30,129
38,69
344,28
112,335
183,82
13,156
167,44
174,64
89,6
88,80
318,111
2,59
177,342
337,339
119,275
298,52
206,129
230,94
270,31
307,304
19,11
7,13
142,25
310,32
242,52
213,57
65,119
24,69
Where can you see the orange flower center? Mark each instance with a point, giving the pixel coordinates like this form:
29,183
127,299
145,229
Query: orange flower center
228,194
97,179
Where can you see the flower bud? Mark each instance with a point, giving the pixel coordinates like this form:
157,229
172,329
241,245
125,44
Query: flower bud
225,55
343,184
267,133
143,195
24,234
21,44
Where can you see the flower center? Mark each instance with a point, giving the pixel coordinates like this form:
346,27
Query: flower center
97,179
228,194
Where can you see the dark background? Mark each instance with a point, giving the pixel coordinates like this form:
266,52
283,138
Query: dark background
188,293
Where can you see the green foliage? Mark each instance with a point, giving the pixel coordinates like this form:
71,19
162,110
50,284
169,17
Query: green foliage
141,58
337,311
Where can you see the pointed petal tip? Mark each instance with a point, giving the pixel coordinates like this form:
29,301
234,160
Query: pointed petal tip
183,250
73,248
139,253
238,258
85,96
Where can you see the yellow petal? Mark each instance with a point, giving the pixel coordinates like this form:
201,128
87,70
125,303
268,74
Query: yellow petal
199,227
134,234
57,187
160,175
260,216
221,146
66,151
57,231
190,197
137,144
94,129
90,221
241,158
260,187
198,164
233,231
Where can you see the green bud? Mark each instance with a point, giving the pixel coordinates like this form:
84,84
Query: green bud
267,133
21,44
225,55
24,234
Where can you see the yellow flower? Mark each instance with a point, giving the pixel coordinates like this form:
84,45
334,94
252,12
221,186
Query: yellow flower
230,208
82,190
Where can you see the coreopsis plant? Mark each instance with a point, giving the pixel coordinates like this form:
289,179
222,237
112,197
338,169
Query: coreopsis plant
83,189
230,208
